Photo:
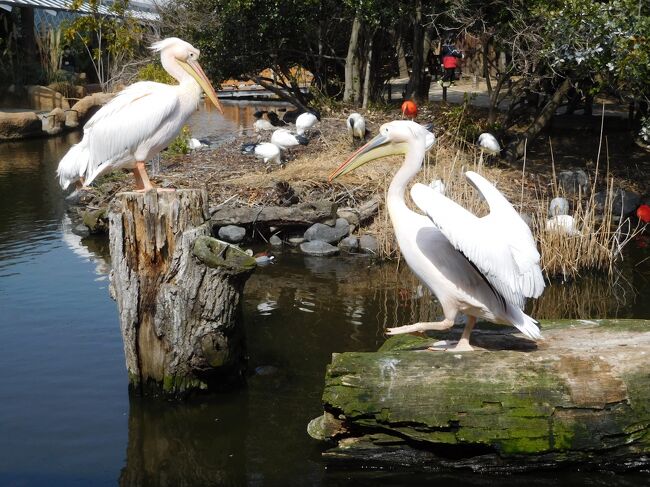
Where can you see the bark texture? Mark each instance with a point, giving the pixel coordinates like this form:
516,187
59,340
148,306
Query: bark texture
178,293
582,395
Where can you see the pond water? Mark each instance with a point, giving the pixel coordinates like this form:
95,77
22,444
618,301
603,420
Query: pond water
66,417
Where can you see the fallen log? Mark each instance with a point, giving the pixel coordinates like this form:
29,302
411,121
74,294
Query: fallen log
178,293
304,214
581,396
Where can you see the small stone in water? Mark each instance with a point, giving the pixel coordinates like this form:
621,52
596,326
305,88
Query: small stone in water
328,234
318,247
232,233
369,244
349,244
81,230
295,241
275,241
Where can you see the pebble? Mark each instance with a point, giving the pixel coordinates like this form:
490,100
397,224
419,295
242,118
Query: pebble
318,247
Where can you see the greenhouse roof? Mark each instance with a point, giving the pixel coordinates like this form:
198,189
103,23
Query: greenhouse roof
139,9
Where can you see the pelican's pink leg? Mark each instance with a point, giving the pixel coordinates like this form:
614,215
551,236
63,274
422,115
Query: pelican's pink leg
463,343
142,182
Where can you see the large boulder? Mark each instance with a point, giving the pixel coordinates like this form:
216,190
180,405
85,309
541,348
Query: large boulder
42,98
573,182
298,215
85,108
232,233
17,125
623,202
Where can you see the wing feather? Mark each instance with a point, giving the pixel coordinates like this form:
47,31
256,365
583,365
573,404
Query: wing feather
496,244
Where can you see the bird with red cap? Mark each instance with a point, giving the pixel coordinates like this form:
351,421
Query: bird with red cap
643,212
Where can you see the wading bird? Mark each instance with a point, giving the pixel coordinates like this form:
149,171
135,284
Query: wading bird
481,267
140,121
306,121
285,139
356,126
266,151
409,109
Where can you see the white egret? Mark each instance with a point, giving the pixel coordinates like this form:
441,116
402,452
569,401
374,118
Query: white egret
140,121
306,121
481,267
489,143
356,126
284,139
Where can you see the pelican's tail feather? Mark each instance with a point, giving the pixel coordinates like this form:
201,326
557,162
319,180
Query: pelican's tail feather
73,166
524,323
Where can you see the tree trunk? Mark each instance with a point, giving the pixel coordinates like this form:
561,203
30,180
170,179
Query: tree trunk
516,149
368,75
178,293
29,58
579,396
401,57
416,82
352,66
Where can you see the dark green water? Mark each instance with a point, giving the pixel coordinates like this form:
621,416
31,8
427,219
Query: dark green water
65,415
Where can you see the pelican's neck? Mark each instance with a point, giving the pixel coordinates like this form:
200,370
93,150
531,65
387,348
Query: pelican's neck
185,81
395,200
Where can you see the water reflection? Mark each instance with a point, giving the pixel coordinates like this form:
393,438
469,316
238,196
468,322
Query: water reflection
89,249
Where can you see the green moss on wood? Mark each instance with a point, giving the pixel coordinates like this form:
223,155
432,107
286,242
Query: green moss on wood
215,253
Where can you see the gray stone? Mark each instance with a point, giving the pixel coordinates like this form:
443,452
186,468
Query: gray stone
275,241
81,230
278,216
317,247
16,125
328,234
573,181
232,233
295,241
349,214
349,244
624,202
368,244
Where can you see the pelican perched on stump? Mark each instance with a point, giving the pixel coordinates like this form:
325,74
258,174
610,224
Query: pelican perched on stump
140,121
480,267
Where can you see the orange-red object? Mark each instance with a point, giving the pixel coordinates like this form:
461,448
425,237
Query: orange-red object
643,212
409,109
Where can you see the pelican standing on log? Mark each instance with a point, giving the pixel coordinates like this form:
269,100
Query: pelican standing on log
481,267
140,121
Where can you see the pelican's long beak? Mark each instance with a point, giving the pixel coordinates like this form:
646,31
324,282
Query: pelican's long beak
194,69
378,147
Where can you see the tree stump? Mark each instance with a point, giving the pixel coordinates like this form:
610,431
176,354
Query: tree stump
581,396
178,293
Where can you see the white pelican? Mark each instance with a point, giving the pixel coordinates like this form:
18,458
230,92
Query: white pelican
481,267
267,151
140,121
285,139
356,126
306,121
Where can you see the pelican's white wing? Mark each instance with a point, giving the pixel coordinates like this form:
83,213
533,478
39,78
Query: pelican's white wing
500,244
136,114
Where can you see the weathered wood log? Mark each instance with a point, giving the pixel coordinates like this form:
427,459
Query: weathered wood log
178,292
582,395
299,215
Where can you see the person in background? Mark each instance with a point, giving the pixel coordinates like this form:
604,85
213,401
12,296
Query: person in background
450,56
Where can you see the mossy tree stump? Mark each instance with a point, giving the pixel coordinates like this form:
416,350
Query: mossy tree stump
178,292
582,396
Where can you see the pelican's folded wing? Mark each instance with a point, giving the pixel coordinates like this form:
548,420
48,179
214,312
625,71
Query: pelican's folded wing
124,122
490,243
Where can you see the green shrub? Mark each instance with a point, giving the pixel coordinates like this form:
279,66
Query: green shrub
181,144
154,72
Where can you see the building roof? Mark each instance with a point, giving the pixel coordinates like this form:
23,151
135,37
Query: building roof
144,10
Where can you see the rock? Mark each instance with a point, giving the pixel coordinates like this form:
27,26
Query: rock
42,98
349,214
299,215
96,220
81,230
328,234
232,233
317,247
349,244
85,108
368,244
558,206
275,241
53,122
573,181
18,125
295,241
624,202
578,398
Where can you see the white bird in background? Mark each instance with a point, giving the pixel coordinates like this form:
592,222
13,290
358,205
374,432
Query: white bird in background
560,220
284,139
356,126
306,121
194,144
437,185
266,151
488,143
261,123
481,267
140,121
